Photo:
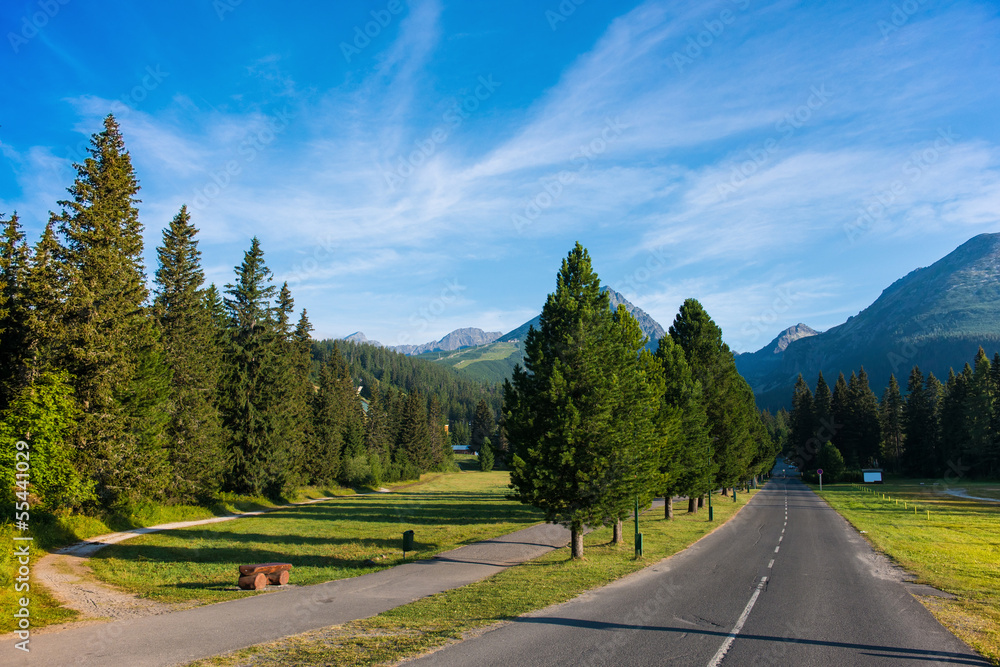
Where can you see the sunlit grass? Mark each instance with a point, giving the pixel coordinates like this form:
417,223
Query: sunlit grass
950,543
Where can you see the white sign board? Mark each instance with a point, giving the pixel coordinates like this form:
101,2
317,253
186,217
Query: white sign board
872,476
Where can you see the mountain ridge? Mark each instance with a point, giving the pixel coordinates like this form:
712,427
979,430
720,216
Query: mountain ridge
935,317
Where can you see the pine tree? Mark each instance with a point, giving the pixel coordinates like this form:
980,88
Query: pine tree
840,404
196,448
258,456
823,409
690,470
323,458
483,425
413,446
919,425
891,419
639,446
867,429
377,426
734,422
14,311
486,456
805,442
111,347
977,410
557,409
441,454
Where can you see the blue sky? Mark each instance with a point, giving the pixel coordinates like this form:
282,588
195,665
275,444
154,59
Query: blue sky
781,162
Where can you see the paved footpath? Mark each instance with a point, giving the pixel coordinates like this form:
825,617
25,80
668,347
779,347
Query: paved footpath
181,637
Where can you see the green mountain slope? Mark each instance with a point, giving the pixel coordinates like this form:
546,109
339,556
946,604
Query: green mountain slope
495,362
935,317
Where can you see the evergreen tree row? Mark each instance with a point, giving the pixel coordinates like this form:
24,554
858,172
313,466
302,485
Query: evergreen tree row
123,395
596,423
936,430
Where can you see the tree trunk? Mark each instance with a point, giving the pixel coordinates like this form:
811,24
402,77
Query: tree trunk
701,501
725,491
668,508
617,537
576,540
692,504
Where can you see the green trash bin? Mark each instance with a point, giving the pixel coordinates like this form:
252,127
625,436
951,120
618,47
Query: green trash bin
407,541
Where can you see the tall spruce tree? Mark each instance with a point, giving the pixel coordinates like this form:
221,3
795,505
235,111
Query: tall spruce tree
920,455
804,427
111,348
734,422
639,447
978,409
196,449
557,409
867,429
413,445
44,297
251,412
483,425
690,470
823,409
14,311
891,419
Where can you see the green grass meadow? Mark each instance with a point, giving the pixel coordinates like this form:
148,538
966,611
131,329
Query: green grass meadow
952,544
440,619
52,532
334,539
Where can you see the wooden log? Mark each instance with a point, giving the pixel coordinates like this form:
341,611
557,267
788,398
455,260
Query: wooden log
277,578
253,582
265,568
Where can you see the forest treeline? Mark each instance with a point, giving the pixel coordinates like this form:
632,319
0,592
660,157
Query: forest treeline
947,429
119,395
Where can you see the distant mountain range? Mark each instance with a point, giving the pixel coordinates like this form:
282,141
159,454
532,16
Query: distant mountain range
649,326
456,340
495,361
935,317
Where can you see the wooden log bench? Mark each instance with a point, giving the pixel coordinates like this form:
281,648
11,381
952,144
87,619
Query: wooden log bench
256,577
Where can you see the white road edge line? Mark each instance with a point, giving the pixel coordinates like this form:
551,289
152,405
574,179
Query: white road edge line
721,653
771,564
776,549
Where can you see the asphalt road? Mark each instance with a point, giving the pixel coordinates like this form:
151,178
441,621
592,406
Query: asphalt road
181,637
785,582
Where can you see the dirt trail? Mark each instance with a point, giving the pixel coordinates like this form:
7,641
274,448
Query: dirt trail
66,575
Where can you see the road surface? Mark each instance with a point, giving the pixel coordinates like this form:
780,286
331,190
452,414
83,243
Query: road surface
785,582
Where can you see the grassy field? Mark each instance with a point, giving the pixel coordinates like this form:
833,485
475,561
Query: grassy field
951,543
443,618
51,532
336,539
